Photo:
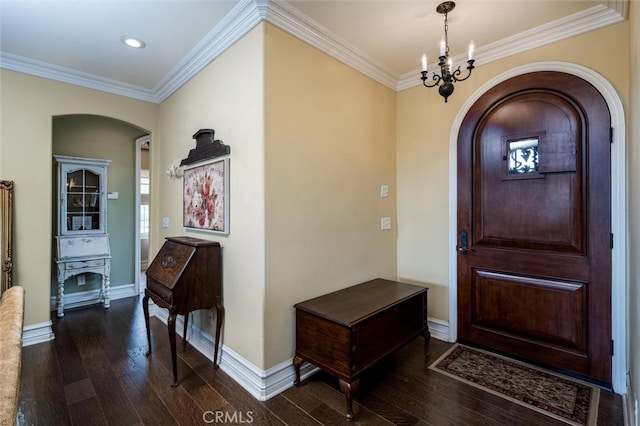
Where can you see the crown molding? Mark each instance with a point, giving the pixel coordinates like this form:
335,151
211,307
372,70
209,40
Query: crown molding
620,6
248,13
289,19
590,19
242,18
78,78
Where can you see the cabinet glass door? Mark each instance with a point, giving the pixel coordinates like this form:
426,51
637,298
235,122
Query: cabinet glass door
83,200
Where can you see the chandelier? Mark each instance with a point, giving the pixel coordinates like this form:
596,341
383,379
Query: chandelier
446,78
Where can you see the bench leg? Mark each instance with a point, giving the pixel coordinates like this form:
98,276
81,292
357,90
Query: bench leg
349,389
296,365
427,336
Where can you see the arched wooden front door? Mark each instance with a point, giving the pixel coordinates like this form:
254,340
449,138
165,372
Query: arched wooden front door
534,224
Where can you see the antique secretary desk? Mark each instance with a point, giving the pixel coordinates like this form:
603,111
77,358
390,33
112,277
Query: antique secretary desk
82,242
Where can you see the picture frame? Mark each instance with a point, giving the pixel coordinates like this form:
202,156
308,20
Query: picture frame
205,197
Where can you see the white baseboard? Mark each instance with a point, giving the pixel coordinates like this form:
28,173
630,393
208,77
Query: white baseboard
439,329
37,333
90,297
43,332
630,404
259,383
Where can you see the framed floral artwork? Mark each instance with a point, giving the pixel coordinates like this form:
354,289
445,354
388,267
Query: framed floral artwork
206,197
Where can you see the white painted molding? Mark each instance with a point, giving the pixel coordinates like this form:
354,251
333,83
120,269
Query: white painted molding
618,203
37,333
620,6
261,384
439,329
242,18
248,13
284,16
90,297
65,75
630,404
43,332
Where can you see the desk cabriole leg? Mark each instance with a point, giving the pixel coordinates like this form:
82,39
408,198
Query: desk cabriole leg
297,361
349,389
219,320
171,324
145,308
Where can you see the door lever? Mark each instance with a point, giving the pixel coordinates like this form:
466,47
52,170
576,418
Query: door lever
463,242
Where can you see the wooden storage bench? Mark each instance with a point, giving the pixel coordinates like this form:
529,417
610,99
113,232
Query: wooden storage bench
348,331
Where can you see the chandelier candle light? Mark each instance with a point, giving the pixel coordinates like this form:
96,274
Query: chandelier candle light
446,78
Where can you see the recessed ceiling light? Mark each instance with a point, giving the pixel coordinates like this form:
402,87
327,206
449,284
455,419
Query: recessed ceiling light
133,42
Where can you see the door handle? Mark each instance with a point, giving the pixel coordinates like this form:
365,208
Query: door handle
463,242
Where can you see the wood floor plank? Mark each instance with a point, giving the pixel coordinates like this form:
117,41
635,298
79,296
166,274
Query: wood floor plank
146,401
182,407
88,412
41,387
288,412
96,372
113,400
333,398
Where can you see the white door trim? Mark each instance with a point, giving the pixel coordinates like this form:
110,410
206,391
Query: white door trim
618,202
137,262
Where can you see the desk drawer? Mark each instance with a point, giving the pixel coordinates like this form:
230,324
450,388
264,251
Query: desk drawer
84,264
159,293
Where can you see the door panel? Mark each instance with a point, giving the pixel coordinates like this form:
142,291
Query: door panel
534,198
522,306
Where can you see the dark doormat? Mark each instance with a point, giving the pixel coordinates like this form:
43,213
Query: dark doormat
562,398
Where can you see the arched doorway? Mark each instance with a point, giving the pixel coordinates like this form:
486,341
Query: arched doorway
617,205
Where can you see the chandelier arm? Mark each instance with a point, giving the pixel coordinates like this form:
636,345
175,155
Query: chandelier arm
436,79
470,68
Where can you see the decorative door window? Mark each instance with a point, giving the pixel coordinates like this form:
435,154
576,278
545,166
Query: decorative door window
522,156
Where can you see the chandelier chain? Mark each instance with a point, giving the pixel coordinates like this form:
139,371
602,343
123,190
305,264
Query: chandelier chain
446,34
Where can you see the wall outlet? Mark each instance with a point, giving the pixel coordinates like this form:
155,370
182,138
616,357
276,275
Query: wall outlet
385,223
81,279
384,191
210,317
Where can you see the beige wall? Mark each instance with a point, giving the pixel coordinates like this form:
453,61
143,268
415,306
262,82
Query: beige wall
311,142
28,105
329,146
227,96
633,203
424,126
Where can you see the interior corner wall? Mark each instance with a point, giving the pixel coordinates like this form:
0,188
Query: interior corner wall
633,204
424,126
329,146
28,105
226,96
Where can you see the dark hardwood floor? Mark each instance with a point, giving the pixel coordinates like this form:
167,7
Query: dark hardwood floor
95,372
